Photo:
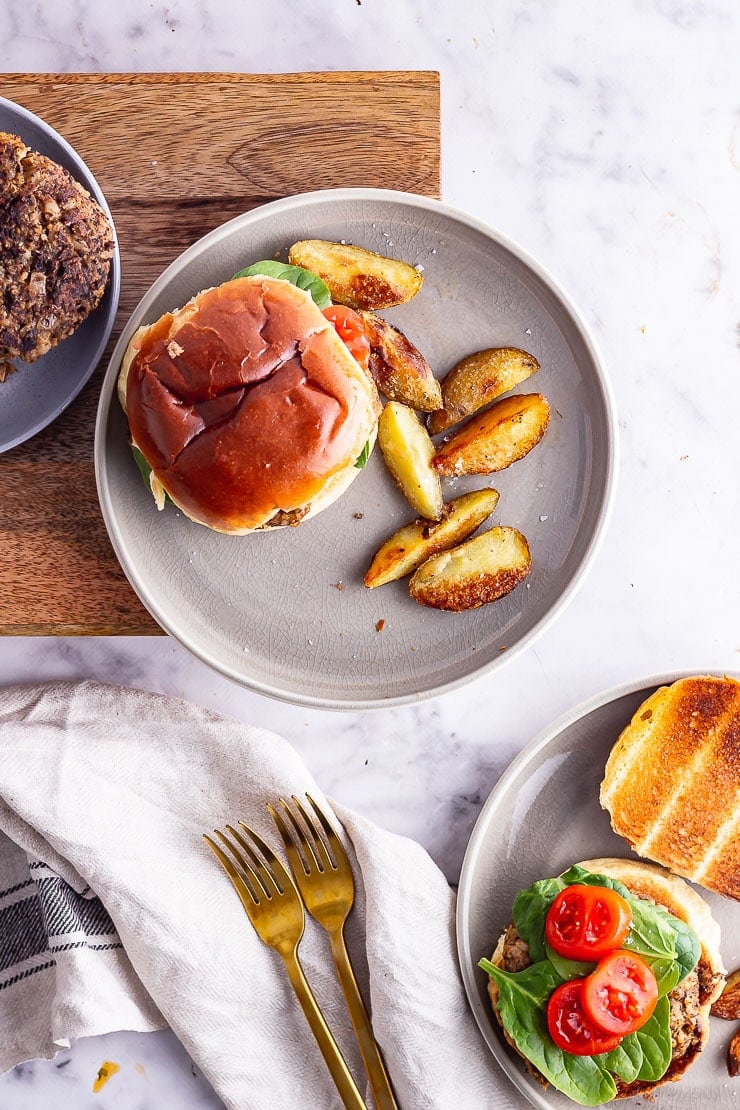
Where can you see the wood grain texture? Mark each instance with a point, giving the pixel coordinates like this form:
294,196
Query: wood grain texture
176,155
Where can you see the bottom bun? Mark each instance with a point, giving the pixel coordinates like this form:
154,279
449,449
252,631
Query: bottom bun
690,1001
332,489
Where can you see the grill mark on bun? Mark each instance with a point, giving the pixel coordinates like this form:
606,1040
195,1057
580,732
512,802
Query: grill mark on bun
672,781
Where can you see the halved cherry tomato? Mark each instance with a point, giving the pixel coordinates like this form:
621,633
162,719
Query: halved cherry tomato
620,995
585,922
351,331
569,1026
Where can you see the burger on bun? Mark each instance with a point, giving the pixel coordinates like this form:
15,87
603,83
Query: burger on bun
246,408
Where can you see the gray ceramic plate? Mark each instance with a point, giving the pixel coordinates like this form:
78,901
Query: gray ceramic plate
286,612
38,392
543,815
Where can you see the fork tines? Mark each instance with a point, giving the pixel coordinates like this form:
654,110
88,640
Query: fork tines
260,876
314,850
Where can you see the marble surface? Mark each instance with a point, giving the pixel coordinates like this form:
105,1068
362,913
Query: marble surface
606,140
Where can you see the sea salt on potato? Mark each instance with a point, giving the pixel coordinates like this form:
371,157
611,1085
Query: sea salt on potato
496,438
357,277
475,573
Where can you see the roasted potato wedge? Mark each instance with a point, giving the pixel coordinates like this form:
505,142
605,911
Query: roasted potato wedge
727,1005
400,370
408,450
733,1056
474,573
357,277
411,545
495,438
477,380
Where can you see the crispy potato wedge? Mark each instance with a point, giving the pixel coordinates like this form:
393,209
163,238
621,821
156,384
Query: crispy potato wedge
728,1004
400,370
733,1056
477,380
357,277
476,572
411,545
495,438
408,450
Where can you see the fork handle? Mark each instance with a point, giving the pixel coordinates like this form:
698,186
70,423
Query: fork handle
377,1074
335,1062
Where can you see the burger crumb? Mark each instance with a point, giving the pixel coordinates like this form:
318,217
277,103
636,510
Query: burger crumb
338,585
6,369
358,516
380,626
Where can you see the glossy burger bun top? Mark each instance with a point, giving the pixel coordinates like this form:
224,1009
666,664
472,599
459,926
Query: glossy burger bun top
247,406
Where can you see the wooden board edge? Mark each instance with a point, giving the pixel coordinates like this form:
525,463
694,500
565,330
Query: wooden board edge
428,77
52,629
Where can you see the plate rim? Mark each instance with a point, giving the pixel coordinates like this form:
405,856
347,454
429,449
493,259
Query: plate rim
114,280
530,752
608,493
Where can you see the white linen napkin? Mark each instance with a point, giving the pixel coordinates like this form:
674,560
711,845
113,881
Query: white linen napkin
114,914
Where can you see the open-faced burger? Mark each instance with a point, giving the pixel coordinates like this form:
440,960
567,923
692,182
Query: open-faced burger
604,979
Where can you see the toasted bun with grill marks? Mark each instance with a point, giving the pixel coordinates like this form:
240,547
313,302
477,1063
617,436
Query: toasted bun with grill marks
689,1002
247,406
672,781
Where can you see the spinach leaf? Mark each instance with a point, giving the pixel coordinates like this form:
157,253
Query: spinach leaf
144,467
625,1060
530,909
688,948
363,456
651,933
666,971
655,1042
522,1001
535,983
296,275
568,969
646,1054
576,874
582,1078
146,472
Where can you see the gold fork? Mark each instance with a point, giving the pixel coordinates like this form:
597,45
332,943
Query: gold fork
323,874
274,907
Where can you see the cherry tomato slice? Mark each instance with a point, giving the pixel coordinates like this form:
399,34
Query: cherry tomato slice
569,1026
586,922
351,331
620,995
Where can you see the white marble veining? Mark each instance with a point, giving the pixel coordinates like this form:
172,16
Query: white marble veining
605,138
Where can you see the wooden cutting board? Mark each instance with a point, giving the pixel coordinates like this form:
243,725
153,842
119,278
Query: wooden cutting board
176,155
